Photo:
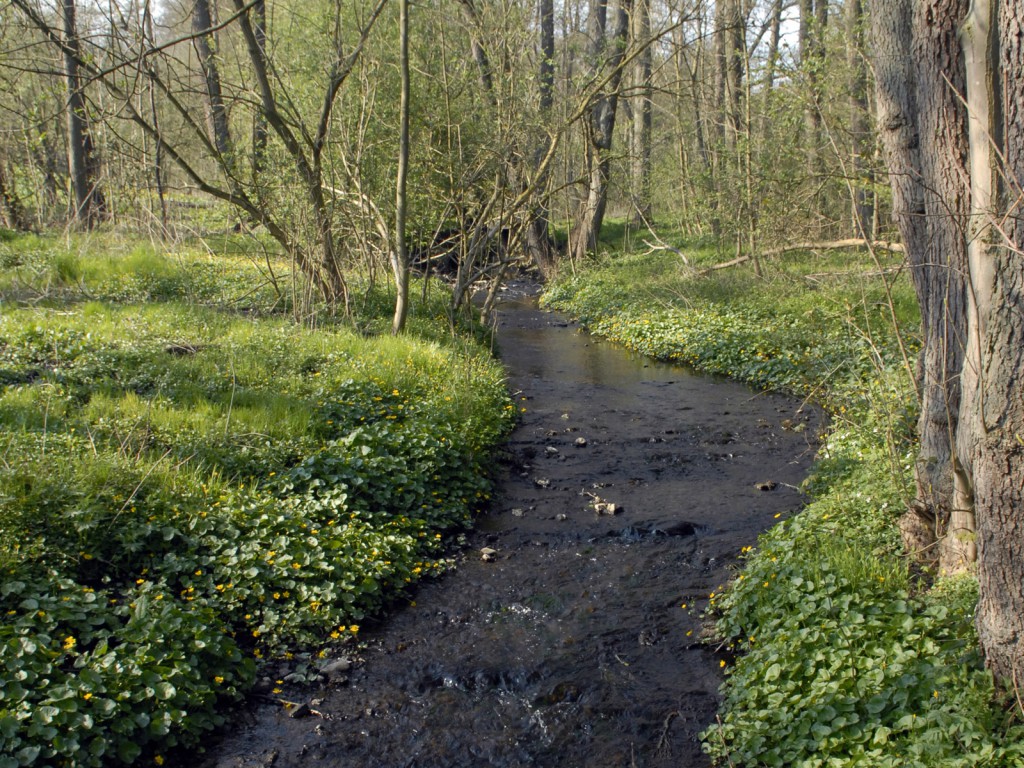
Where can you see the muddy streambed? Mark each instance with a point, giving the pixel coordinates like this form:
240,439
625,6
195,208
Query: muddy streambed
567,645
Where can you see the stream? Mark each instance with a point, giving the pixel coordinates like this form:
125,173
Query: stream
627,490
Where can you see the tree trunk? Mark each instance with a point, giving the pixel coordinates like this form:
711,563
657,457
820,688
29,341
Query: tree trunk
205,42
538,238
600,125
813,21
640,151
399,251
860,132
921,131
997,281
942,267
158,153
82,162
260,135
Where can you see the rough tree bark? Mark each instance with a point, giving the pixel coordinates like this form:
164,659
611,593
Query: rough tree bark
921,133
958,114
997,277
939,271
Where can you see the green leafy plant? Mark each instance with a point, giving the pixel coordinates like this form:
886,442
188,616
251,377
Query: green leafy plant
839,658
186,489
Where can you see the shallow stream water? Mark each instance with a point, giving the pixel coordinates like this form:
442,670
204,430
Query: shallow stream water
568,644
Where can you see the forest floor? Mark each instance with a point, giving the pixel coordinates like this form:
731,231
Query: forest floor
193,481
200,492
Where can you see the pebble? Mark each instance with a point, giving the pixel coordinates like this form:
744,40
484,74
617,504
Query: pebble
335,667
581,442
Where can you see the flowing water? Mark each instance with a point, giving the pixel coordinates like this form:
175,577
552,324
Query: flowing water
565,643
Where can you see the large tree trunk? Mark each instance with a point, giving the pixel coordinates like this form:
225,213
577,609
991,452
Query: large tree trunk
997,281
939,272
82,161
921,130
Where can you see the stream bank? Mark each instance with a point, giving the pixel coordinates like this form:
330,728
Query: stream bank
627,491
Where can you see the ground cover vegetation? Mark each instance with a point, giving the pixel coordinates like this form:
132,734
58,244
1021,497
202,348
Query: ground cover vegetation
840,652
369,139
191,482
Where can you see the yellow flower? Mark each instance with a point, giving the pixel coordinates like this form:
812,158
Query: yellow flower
86,696
722,663
354,628
69,643
158,759
218,679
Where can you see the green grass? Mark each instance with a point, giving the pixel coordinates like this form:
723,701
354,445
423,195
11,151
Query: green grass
842,657
191,482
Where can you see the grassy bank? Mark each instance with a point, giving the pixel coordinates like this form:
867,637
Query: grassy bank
842,656
191,482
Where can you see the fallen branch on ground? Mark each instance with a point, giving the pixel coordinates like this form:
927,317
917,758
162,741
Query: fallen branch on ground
826,245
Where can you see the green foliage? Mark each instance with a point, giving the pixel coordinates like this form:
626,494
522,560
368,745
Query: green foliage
94,677
841,658
186,489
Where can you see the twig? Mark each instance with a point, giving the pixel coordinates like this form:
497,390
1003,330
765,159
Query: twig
663,741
